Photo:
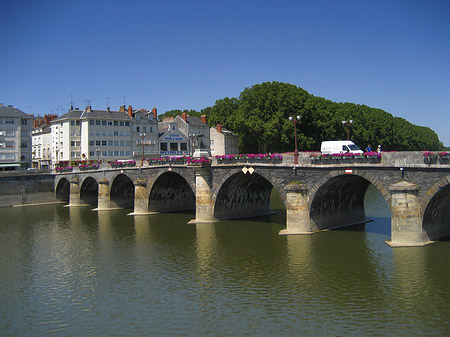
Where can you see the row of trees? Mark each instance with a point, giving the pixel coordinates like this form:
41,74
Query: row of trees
260,117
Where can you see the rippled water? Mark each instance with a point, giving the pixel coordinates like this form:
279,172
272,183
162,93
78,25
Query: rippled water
75,272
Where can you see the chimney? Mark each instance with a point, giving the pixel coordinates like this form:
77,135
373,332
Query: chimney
122,108
203,118
108,109
219,128
36,123
130,111
155,113
89,108
184,116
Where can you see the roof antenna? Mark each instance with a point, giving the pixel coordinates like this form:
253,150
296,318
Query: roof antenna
123,100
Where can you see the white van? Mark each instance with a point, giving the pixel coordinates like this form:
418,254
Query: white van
339,146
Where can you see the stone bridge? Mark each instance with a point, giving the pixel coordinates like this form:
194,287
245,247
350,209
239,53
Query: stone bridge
316,195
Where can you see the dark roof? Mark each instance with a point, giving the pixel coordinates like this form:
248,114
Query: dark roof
190,120
10,111
94,114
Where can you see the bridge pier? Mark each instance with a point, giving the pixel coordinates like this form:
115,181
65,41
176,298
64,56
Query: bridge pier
74,196
204,210
406,221
141,196
103,195
297,210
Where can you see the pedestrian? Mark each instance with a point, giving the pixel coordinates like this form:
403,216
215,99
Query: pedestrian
368,148
379,149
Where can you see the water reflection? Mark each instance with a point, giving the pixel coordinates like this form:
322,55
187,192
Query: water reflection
71,271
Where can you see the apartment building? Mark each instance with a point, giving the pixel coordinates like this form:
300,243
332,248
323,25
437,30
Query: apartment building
103,135
15,138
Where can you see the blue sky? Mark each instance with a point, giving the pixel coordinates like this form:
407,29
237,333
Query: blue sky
393,55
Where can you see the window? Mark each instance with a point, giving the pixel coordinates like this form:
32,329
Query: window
116,143
97,122
145,129
122,123
77,123
98,143
9,132
72,122
103,122
91,153
116,123
110,153
122,153
116,133
72,143
173,146
163,146
91,122
122,143
183,146
10,144
127,153
137,128
110,123
91,143
110,143
116,153
103,142
104,153
9,121
127,123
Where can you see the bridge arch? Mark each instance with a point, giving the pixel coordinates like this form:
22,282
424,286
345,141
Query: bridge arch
89,191
122,191
337,199
242,195
435,208
171,192
62,190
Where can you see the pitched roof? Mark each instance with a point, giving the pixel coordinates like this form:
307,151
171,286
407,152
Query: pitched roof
10,111
94,114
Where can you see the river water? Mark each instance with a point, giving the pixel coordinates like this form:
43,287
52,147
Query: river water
77,272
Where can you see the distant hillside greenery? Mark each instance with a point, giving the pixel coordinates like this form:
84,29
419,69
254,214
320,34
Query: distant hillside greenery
260,117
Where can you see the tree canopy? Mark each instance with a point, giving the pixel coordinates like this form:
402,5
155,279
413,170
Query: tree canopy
260,117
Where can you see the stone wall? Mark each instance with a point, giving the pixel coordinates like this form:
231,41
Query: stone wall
26,188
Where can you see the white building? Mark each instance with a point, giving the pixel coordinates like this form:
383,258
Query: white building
223,142
183,134
42,147
15,138
102,135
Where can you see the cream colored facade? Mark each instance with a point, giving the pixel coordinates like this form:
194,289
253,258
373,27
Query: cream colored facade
223,141
102,135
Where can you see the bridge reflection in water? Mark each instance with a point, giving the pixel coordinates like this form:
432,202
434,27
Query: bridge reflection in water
316,197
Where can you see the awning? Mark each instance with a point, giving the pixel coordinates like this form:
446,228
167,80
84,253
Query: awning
9,165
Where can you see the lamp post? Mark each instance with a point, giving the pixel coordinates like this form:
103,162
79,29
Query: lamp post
142,142
98,155
191,138
348,125
295,120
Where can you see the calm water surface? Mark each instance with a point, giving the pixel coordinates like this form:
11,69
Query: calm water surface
75,272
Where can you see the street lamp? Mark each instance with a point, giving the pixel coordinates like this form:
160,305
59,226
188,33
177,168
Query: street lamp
191,137
142,141
348,125
98,155
295,120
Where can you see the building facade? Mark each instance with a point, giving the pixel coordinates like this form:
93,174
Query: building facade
15,138
223,142
103,135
